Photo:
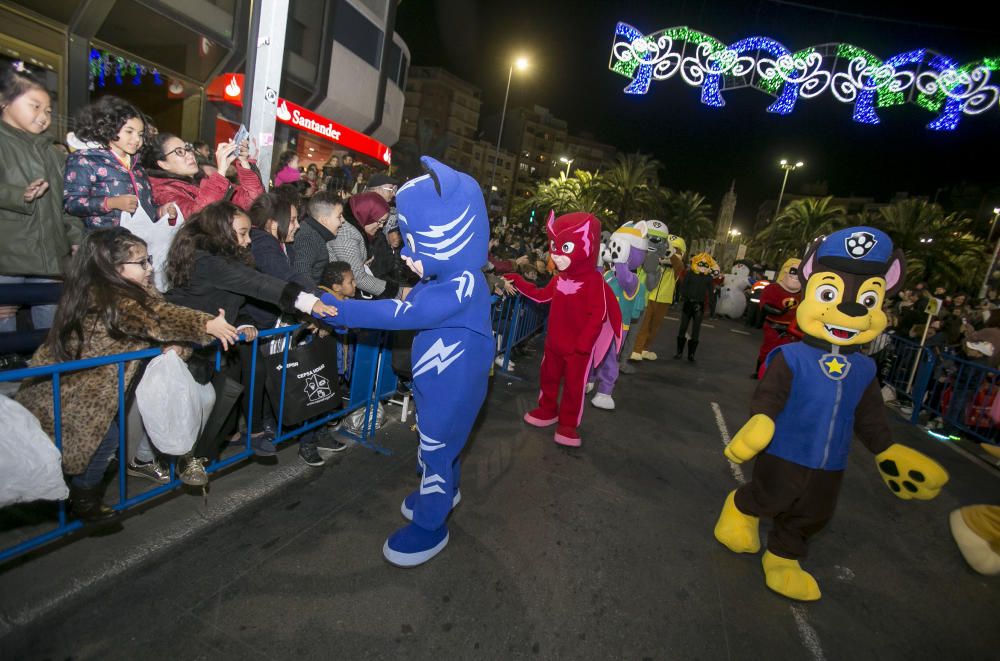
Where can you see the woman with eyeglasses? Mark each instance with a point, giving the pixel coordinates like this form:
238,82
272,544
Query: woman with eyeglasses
176,177
108,306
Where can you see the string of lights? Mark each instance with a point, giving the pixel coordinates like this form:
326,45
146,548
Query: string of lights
849,73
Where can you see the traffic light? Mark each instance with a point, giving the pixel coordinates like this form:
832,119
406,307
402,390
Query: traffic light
531,218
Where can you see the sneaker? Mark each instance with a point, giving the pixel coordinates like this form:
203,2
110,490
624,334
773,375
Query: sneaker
152,470
191,471
261,443
310,455
649,355
636,356
333,445
499,363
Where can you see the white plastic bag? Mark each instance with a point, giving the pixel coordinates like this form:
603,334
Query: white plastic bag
158,237
30,464
173,405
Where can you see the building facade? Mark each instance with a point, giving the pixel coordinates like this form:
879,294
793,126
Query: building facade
162,56
441,119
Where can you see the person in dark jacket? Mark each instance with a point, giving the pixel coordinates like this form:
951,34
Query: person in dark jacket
210,268
275,222
316,232
695,291
38,236
176,176
100,183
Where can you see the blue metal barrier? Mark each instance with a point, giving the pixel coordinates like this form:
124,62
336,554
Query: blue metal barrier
514,318
362,382
949,392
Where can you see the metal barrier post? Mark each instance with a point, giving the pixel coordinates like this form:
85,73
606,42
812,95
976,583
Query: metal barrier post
923,370
122,450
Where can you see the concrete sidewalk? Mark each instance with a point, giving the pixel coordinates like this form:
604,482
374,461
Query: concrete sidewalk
602,552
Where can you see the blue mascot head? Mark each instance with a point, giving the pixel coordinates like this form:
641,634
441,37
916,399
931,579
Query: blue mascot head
442,216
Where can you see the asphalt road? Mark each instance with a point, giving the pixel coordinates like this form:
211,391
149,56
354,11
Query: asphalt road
602,552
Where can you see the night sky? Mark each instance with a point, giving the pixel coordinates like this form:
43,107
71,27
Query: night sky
704,148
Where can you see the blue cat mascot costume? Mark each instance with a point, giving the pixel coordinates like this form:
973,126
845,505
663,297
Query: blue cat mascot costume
445,230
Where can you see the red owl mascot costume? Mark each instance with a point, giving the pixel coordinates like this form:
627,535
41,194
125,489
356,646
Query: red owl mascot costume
584,320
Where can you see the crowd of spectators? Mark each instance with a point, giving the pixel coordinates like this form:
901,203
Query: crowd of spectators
241,261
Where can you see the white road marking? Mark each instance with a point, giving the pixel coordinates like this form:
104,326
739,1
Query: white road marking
810,639
808,635
724,432
740,332
707,326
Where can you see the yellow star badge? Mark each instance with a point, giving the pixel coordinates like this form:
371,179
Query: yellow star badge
834,367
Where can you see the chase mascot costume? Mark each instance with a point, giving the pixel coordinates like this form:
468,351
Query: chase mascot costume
445,230
584,320
814,396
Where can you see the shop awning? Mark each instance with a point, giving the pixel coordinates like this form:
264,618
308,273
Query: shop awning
229,88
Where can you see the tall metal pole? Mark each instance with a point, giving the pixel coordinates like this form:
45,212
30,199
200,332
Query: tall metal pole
777,210
993,225
503,117
266,50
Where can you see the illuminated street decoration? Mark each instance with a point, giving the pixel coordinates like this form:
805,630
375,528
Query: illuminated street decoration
849,73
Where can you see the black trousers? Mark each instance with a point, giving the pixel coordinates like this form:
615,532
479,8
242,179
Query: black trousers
799,500
691,314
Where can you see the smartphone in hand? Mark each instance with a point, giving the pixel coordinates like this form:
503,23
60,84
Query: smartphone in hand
241,135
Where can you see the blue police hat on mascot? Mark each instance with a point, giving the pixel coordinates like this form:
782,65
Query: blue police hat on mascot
442,215
859,250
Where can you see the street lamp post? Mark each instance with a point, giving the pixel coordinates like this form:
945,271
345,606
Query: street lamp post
521,63
568,162
996,251
787,167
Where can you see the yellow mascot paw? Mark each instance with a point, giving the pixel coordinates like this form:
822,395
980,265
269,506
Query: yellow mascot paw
976,530
788,579
910,474
753,437
736,530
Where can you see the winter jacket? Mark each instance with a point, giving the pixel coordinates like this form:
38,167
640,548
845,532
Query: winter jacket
94,175
350,246
90,397
191,197
311,252
286,175
37,236
273,258
220,282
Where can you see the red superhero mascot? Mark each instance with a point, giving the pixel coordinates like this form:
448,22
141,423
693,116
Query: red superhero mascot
584,319
778,302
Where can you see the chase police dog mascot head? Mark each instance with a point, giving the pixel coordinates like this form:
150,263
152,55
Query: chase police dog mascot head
846,277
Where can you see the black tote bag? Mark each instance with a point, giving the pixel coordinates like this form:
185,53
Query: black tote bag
311,384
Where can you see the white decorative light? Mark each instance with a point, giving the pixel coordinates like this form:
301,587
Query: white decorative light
852,75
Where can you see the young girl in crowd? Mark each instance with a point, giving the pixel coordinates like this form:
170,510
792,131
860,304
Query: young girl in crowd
176,176
288,169
38,237
101,183
108,306
210,267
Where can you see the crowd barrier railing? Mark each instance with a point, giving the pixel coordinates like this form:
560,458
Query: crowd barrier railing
373,380
516,319
948,393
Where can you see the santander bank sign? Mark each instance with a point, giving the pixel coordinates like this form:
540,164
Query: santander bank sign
231,87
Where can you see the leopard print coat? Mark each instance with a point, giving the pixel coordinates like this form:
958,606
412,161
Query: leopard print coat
90,397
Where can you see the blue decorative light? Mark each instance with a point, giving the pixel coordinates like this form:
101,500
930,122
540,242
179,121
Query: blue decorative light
851,74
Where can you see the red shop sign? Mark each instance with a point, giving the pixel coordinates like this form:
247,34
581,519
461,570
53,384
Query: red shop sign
229,88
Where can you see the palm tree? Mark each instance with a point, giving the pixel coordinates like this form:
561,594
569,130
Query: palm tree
687,214
629,187
562,194
798,224
940,248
